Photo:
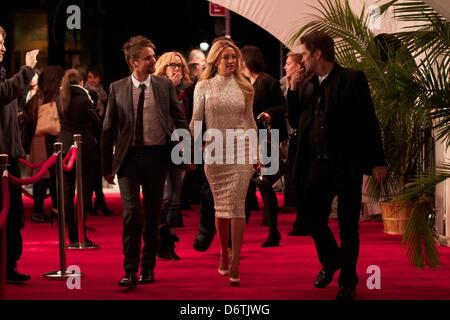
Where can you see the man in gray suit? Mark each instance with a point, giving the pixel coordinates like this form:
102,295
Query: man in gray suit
141,113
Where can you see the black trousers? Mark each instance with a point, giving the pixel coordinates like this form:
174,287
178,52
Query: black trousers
40,192
207,212
97,186
269,198
40,187
15,219
289,192
325,179
146,167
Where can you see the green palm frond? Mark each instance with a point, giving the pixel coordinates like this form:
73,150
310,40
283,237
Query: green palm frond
414,11
419,239
435,95
431,37
424,183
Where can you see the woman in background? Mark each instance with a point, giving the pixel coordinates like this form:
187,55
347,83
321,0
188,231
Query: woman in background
77,115
41,148
173,65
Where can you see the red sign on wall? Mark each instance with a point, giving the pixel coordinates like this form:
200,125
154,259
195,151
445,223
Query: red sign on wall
215,10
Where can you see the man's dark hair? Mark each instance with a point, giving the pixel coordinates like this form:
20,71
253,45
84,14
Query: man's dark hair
95,72
132,47
253,58
318,40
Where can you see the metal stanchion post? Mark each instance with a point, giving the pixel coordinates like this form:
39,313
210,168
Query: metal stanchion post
82,244
3,166
62,272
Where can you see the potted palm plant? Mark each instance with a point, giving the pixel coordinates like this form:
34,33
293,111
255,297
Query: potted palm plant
406,96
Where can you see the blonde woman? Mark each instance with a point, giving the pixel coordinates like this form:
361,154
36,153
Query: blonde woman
173,66
224,99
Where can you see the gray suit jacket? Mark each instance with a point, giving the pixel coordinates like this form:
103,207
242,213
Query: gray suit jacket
119,118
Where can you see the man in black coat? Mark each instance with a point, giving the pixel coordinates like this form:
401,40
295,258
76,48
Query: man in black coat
339,140
10,144
142,110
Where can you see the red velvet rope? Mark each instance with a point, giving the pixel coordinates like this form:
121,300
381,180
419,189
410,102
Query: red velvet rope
38,165
30,164
5,192
73,157
67,157
47,164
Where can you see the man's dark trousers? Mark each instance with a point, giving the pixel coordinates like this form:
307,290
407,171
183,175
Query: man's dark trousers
147,167
323,180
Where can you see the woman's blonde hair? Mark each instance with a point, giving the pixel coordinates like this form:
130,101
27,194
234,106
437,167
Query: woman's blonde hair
165,59
213,59
71,77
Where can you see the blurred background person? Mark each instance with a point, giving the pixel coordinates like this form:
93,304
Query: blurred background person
196,62
78,115
99,97
173,66
42,147
293,64
269,107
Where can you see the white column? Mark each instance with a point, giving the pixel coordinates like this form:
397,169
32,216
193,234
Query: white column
442,201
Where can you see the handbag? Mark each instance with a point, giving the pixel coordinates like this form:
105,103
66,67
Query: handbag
48,120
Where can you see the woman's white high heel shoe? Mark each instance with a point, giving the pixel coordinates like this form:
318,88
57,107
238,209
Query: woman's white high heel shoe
223,272
234,282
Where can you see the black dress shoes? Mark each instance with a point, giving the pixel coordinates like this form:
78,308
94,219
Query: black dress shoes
129,280
273,240
324,278
202,242
346,293
299,232
16,277
147,277
106,211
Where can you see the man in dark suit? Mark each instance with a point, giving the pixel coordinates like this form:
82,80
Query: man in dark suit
10,144
141,112
339,140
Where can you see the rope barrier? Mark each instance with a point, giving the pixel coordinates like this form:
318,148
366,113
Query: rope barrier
73,157
5,193
50,162
67,157
30,164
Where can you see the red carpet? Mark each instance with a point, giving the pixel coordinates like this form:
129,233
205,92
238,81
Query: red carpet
280,273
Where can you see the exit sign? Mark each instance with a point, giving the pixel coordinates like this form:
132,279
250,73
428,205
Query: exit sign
216,11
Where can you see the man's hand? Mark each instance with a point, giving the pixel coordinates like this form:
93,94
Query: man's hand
264,116
31,58
109,179
379,173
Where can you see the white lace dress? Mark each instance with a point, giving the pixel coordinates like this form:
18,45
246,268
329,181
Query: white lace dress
221,103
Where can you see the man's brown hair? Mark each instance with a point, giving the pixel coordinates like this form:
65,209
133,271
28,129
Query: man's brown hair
318,40
133,47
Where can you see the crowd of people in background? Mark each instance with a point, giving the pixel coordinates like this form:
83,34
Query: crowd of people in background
226,89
